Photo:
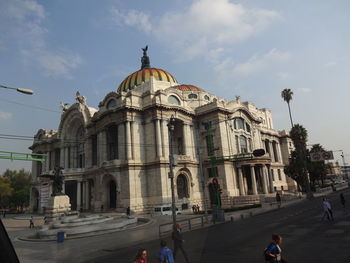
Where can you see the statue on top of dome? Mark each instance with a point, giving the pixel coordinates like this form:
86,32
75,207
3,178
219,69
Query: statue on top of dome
145,63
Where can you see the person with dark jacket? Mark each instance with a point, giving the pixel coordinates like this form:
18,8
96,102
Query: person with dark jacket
178,242
343,201
273,252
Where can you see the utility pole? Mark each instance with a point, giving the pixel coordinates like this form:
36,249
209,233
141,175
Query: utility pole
171,127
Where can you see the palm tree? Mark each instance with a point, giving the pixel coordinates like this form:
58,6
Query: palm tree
287,95
299,135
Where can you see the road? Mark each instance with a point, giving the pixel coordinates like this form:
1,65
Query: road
306,237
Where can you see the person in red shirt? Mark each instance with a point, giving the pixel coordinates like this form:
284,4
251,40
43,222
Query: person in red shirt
141,256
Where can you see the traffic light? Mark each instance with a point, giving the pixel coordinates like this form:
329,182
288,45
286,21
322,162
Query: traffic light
215,183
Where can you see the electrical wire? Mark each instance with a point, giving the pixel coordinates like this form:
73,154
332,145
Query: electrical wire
30,106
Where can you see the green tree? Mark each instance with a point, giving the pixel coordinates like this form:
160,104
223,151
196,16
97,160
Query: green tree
5,191
317,170
297,168
20,183
287,95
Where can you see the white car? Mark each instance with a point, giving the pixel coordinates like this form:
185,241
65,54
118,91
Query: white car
165,210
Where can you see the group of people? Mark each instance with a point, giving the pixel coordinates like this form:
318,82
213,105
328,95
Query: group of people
166,255
195,209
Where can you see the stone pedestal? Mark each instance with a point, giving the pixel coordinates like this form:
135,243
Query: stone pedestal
58,206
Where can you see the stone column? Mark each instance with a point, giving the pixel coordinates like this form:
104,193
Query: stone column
66,155
193,144
269,175
185,139
87,195
165,138
240,181
78,195
62,157
74,158
252,173
263,174
272,153
64,187
158,139
83,201
278,146
47,162
128,140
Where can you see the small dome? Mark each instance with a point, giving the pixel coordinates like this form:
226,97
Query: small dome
144,75
187,88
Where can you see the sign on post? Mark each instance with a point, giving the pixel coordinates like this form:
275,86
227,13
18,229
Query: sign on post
321,156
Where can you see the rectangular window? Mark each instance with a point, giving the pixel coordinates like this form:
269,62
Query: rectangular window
112,142
94,149
272,175
237,143
282,188
210,145
279,174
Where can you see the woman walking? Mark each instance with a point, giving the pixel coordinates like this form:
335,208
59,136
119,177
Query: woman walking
141,256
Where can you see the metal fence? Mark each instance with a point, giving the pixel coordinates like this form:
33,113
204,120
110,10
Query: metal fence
186,225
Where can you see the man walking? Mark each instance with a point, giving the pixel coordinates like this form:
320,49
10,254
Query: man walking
165,254
342,201
278,200
327,210
178,242
31,223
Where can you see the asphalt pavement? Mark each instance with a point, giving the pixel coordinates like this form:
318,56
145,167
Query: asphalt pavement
305,237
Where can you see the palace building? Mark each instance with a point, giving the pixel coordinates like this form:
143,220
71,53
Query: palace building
117,156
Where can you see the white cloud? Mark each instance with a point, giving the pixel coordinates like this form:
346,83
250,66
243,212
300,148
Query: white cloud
304,90
21,21
5,115
258,63
330,64
55,64
283,75
203,26
132,18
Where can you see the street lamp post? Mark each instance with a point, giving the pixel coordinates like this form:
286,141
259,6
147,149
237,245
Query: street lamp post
25,91
171,127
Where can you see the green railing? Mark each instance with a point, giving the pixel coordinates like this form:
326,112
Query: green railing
39,157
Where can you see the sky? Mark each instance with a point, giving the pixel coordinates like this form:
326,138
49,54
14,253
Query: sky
253,49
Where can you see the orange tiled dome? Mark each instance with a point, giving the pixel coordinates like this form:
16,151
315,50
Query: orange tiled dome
144,75
187,88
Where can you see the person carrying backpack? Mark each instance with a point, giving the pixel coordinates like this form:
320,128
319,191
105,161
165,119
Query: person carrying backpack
272,253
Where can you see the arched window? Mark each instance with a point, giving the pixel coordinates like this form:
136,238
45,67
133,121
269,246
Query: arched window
192,96
206,97
182,186
111,104
173,100
239,124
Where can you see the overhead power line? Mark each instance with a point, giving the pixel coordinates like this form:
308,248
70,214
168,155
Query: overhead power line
30,106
